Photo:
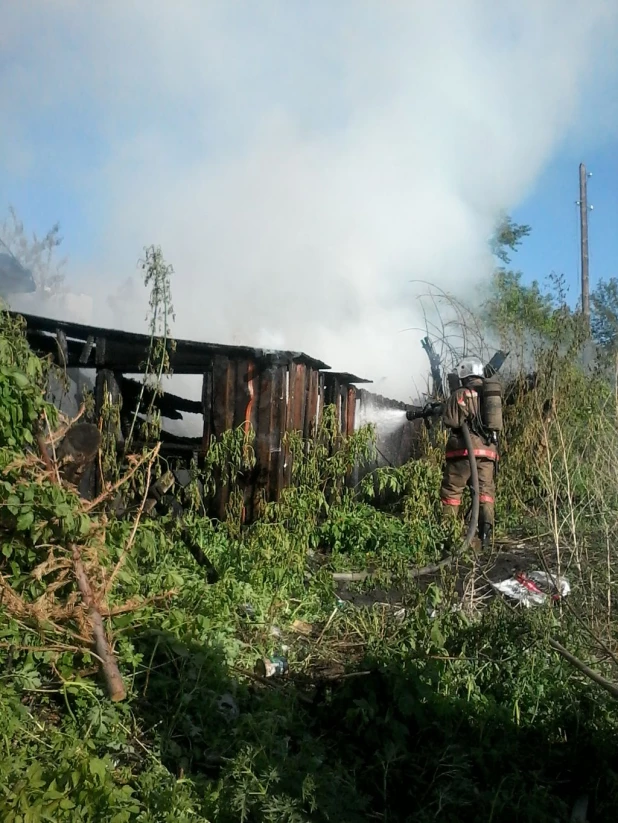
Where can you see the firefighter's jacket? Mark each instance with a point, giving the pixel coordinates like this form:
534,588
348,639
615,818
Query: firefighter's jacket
463,406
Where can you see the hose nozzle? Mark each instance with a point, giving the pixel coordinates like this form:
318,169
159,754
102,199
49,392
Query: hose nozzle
425,413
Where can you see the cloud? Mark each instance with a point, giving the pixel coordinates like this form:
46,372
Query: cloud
300,163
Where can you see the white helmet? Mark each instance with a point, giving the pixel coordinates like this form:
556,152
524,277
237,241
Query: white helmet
470,367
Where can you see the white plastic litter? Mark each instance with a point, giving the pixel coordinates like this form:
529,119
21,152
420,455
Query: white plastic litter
534,588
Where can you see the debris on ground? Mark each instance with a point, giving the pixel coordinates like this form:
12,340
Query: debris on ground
534,588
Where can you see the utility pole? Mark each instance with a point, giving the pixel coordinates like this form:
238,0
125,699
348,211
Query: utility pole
583,221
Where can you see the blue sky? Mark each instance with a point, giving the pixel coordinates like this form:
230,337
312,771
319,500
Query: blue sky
301,165
551,211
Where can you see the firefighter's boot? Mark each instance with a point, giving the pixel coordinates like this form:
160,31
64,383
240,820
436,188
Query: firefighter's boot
485,534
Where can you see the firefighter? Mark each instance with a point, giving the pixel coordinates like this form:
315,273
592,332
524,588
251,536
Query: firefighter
464,405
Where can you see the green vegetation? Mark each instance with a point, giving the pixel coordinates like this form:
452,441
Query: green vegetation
463,714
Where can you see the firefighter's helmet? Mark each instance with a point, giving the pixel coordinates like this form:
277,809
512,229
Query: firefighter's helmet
470,367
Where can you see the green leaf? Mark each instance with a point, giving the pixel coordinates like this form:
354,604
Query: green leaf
98,768
437,638
21,379
25,520
13,503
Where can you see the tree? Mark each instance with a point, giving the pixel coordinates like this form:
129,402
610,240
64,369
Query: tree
604,315
525,316
508,236
37,254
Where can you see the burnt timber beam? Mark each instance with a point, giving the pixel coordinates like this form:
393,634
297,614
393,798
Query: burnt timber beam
86,350
126,351
63,349
170,405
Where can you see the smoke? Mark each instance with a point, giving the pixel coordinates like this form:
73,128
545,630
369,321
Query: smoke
299,163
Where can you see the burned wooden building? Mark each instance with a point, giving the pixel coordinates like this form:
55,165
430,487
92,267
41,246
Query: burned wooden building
274,392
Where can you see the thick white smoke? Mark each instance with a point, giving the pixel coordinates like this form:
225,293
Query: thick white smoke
299,163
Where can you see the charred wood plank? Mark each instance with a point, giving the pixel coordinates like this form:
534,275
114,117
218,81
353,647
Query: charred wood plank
343,408
168,404
265,404
300,397
242,394
223,394
63,348
86,351
286,463
311,408
351,411
100,354
224,375
277,426
207,408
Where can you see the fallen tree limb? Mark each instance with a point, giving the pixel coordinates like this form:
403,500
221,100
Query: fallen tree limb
609,687
113,679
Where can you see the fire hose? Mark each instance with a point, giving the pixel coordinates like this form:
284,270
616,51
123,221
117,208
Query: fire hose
474,488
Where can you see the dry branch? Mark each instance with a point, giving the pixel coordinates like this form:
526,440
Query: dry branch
140,462
610,687
109,667
138,517
44,452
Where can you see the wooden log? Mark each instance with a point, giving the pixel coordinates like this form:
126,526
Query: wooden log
108,665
